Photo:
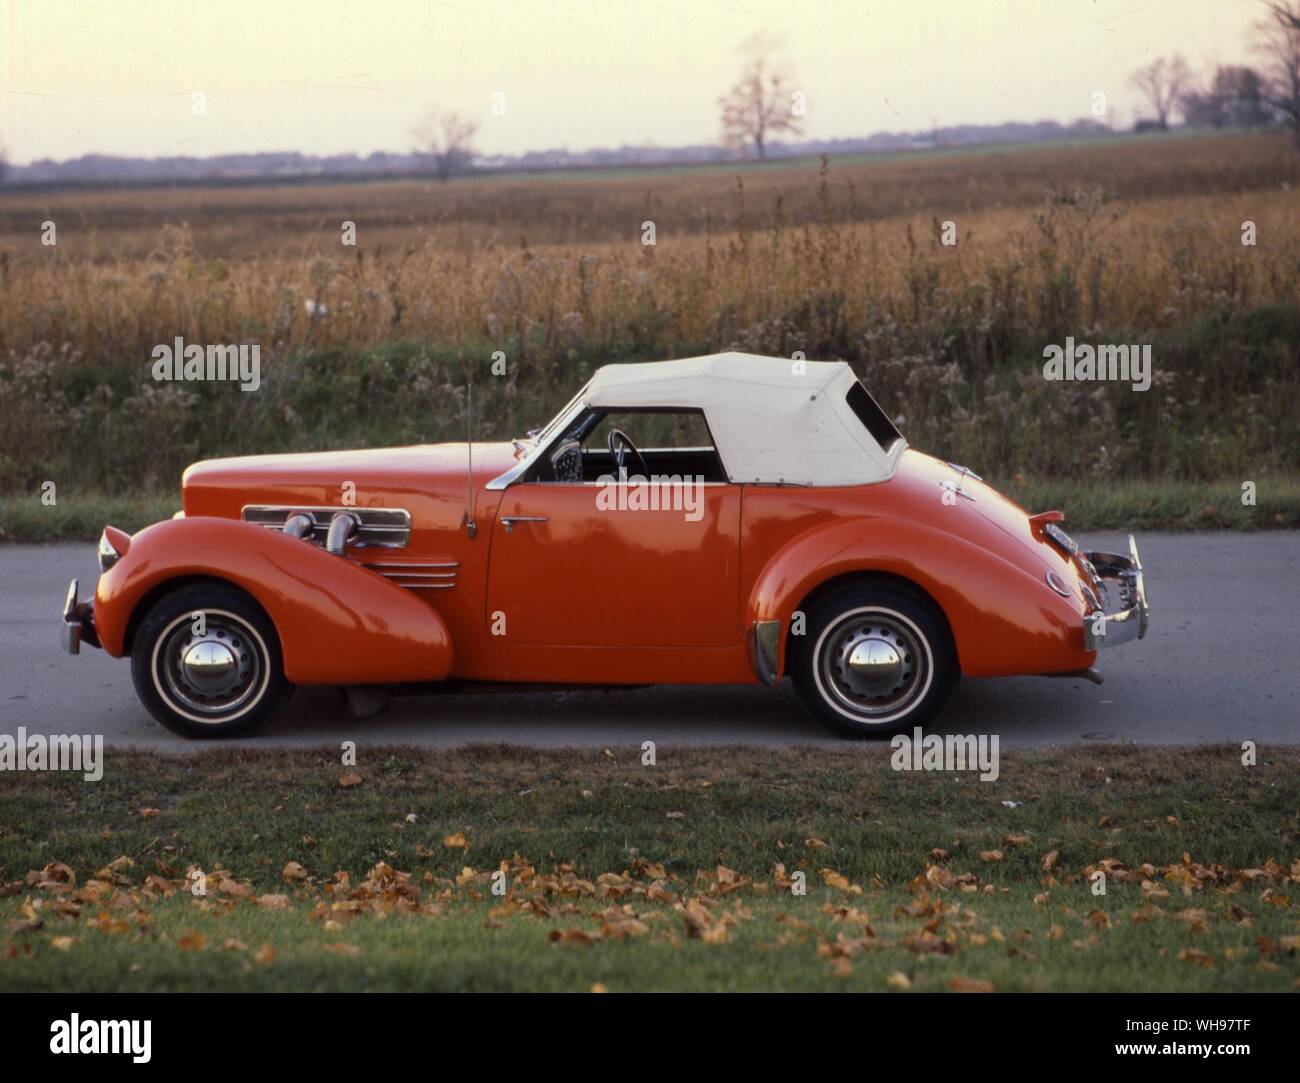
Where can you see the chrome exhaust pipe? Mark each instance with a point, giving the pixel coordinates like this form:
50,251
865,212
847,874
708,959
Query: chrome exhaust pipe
299,526
343,527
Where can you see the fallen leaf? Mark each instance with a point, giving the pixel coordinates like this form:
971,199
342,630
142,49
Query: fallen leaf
30,926
294,871
107,924
349,950
571,936
717,933
265,955
1152,890
350,778
192,941
898,980
273,902
624,928
455,842
969,985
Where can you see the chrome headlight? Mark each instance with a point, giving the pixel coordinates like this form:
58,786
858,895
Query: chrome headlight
107,554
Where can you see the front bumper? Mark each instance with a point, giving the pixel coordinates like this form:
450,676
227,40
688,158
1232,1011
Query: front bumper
78,622
1101,629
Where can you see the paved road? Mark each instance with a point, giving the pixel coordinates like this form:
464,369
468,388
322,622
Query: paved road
1221,662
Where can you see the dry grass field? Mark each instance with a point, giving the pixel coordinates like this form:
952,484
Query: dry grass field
302,219
1134,240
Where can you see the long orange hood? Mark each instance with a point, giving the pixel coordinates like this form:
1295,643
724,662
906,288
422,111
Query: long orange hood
379,477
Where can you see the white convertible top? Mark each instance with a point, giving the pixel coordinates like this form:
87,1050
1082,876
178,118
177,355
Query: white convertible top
776,421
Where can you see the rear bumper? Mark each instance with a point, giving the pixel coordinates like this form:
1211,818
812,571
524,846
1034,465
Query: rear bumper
78,622
1130,622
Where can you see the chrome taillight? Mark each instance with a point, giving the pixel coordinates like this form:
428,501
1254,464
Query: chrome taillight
1058,584
1067,543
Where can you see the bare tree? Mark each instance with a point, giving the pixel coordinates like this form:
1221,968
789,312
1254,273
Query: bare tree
1162,83
1279,32
759,105
1234,98
448,138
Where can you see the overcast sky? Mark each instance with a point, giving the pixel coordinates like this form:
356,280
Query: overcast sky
330,76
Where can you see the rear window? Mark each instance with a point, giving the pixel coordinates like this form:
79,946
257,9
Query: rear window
873,417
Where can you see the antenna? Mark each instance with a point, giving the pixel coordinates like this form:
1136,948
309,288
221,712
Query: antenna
471,527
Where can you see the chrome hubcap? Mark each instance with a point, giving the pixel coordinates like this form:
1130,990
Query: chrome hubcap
211,666
876,662
873,664
212,675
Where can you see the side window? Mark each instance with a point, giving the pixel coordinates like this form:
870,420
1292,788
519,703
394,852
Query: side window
653,442
653,430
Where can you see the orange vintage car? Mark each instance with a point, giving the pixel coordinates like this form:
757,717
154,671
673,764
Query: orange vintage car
728,519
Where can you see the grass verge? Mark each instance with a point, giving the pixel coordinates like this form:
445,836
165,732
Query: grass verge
674,876
1146,504
1089,505
81,516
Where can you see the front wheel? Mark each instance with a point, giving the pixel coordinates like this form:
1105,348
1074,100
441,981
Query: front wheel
206,663
877,659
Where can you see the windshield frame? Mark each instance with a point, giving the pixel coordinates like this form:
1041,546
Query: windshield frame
560,422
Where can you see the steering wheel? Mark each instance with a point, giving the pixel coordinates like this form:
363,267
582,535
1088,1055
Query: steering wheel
619,445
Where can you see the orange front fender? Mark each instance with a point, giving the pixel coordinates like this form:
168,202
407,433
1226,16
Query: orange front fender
338,623
1004,620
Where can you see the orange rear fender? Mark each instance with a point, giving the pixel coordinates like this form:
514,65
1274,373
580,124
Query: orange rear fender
338,623
1004,620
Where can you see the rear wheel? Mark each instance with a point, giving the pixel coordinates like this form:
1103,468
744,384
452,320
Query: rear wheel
206,663
877,659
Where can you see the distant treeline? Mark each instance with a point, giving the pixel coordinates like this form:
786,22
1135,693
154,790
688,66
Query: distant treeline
96,169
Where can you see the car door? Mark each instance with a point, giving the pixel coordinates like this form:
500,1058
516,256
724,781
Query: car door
572,565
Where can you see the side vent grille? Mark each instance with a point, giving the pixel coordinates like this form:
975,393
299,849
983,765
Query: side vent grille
381,528
439,576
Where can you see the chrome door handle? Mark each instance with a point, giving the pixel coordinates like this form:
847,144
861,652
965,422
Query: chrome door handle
509,520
